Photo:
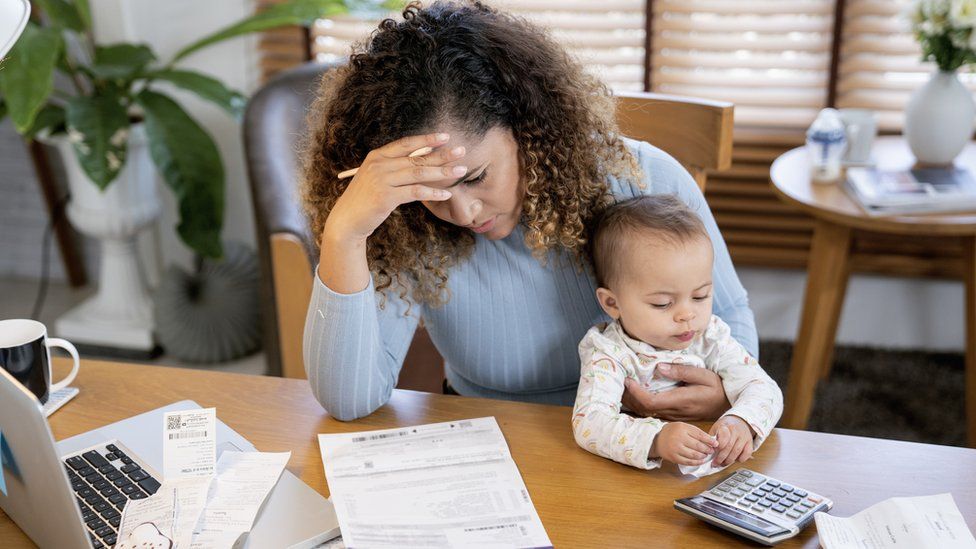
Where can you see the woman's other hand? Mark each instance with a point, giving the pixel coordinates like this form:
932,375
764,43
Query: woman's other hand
701,398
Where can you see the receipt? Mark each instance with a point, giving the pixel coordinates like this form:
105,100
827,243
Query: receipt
243,482
167,518
189,442
925,522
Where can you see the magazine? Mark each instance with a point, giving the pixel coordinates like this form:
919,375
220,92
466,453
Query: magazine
920,190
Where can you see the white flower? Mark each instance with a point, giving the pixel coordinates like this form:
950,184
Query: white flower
962,13
113,161
118,138
77,139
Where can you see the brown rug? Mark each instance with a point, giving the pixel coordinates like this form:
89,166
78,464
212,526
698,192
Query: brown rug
902,395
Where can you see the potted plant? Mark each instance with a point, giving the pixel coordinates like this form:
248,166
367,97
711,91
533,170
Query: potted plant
939,115
115,128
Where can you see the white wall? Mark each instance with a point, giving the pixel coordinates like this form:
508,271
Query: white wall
878,311
167,27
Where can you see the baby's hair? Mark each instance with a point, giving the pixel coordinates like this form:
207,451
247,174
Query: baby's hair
661,216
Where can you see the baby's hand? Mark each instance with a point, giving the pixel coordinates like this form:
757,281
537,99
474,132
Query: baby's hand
734,440
683,444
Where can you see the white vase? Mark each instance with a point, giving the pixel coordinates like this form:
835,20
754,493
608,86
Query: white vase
939,119
119,315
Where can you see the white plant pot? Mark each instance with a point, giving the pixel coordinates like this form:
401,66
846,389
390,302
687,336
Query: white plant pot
120,313
939,119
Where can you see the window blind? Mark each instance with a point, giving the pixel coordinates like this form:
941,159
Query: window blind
772,60
607,36
880,63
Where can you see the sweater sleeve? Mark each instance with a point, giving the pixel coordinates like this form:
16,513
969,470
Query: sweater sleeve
353,349
598,424
754,395
664,175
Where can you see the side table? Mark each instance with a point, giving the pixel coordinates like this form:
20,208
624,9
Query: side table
838,217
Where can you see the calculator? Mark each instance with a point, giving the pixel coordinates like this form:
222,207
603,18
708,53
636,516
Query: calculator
756,506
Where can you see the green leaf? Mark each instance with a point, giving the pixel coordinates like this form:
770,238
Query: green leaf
98,128
84,12
295,12
51,116
190,163
206,87
63,14
121,61
26,78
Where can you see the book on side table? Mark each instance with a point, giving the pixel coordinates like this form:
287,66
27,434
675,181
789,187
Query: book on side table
914,191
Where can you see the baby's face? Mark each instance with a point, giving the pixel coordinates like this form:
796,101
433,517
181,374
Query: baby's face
663,292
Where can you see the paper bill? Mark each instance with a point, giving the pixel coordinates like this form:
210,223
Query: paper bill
925,522
444,484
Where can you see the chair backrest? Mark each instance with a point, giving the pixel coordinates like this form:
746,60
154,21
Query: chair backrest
697,133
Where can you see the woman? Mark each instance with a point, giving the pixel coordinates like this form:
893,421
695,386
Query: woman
485,237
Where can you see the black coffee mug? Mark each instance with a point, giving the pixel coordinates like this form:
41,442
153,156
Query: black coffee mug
24,354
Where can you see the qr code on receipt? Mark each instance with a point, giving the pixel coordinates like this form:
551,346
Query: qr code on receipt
173,422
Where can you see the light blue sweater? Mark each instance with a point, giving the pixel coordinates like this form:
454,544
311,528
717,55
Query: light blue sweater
512,325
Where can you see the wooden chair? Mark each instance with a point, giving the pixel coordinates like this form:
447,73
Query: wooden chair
697,133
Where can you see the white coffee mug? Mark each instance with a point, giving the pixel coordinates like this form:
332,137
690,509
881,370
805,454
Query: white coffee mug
25,354
861,127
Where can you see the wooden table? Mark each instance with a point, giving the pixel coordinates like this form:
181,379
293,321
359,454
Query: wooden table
583,500
838,217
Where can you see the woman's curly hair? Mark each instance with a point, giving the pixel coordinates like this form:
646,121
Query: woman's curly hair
475,68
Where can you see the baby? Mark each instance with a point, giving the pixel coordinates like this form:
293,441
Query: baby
653,263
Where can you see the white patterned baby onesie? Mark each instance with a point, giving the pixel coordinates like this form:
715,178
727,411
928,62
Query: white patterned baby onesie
609,356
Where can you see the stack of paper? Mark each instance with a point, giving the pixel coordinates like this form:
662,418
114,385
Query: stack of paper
202,503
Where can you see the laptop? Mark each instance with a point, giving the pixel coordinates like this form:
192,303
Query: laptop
71,494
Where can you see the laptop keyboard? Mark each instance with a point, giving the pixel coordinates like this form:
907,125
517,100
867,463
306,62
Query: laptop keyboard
103,481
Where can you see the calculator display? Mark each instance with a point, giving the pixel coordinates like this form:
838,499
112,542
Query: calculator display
734,516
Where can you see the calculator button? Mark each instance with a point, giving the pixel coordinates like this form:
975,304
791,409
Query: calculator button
758,508
718,493
745,472
754,482
773,497
733,483
721,488
729,497
793,498
752,498
780,493
794,514
772,482
779,508
800,493
814,499
738,493
765,503
786,488
760,492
